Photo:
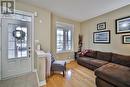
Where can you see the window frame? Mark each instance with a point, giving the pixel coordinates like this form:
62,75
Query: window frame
62,24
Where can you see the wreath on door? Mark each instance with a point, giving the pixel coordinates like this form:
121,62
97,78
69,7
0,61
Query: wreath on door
19,34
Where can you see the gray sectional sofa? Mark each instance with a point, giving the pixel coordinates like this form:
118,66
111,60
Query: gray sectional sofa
111,70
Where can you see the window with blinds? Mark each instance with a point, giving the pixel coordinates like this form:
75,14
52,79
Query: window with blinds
64,37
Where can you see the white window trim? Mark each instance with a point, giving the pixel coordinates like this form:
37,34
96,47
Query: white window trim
68,24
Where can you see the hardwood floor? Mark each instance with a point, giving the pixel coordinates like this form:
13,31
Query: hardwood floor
76,76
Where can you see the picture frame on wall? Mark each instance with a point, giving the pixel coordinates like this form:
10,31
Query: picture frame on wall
126,39
101,37
122,25
101,26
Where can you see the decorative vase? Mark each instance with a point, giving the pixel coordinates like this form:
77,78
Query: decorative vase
80,43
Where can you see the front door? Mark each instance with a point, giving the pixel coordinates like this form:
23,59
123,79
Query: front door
16,46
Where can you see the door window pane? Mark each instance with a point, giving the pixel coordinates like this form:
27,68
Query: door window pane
11,54
17,41
11,45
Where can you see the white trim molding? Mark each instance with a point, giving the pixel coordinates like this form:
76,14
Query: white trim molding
40,83
0,52
32,36
35,70
0,76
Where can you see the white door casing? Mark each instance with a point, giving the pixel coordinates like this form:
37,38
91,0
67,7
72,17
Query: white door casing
17,66
0,50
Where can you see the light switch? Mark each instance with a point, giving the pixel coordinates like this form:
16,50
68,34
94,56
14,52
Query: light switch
35,14
40,21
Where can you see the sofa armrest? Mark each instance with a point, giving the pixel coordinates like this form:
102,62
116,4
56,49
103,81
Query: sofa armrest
76,55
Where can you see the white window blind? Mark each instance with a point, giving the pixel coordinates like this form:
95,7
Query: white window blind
64,37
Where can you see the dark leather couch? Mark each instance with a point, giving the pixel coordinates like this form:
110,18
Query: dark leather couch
111,70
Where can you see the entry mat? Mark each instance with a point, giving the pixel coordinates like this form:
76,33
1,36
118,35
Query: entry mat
27,80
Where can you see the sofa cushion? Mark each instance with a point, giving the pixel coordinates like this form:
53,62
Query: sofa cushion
84,59
121,59
107,56
116,74
91,54
102,83
98,63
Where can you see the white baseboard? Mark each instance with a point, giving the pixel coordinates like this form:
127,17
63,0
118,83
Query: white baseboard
42,83
35,70
0,76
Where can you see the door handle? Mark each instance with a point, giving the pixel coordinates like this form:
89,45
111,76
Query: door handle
29,51
29,48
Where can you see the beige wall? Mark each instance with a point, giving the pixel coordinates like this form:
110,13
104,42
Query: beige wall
53,37
42,30
88,27
45,32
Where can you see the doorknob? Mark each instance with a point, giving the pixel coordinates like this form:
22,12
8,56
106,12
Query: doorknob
29,48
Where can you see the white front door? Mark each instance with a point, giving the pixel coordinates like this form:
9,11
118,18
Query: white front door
16,46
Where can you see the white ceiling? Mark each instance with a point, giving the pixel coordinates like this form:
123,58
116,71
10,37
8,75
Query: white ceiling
79,10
